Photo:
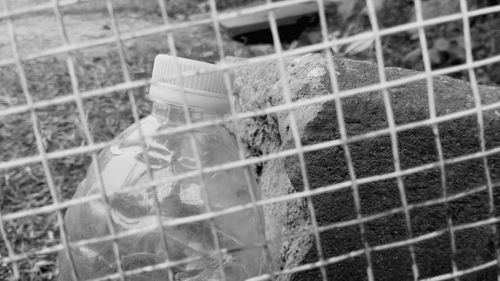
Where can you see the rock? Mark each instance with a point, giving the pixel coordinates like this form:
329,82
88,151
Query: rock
259,87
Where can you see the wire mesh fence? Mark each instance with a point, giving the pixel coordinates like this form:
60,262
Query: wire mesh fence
42,157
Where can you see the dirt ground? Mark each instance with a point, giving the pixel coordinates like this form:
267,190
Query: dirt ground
89,20
40,32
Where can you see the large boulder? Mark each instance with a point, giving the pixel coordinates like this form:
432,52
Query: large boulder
288,222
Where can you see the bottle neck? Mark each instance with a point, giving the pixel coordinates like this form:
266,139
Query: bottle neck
176,115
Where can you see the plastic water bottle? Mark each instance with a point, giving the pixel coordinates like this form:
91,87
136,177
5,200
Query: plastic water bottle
125,164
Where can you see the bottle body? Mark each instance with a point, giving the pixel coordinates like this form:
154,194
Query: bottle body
126,164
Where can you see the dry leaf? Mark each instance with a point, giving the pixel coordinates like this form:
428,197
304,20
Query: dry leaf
434,56
436,8
379,4
359,46
413,55
346,8
441,44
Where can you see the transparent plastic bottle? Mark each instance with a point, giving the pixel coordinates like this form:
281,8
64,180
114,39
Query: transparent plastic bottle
125,165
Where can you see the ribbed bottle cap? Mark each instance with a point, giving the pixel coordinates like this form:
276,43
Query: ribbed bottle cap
206,90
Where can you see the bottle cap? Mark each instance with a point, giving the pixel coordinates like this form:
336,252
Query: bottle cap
205,90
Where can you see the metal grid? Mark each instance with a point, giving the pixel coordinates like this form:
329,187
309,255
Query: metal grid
280,54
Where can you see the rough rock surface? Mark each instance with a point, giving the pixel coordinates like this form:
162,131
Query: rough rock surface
259,87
